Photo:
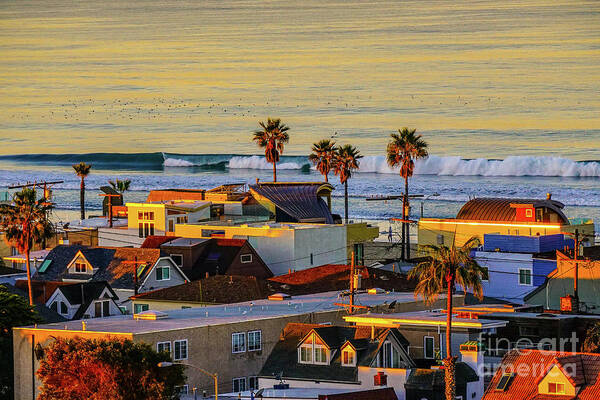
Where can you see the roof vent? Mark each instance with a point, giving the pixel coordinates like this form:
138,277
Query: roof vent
151,315
279,297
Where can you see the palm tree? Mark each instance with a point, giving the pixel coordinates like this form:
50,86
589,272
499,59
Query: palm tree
82,170
272,138
323,156
346,161
25,223
120,186
403,149
447,267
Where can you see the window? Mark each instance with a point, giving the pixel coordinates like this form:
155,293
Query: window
528,213
428,347
320,355
312,259
101,309
182,389
238,342
163,346
525,277
486,276
177,259
252,383
180,349
138,308
246,258
254,340
141,230
348,358
239,384
502,385
63,308
80,267
306,354
162,273
442,339
556,388
146,229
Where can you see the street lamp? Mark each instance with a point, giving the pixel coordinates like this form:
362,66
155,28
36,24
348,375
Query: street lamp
165,364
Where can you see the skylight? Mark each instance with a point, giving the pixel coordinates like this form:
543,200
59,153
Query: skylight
504,382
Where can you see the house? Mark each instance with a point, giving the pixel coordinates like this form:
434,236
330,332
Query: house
218,289
216,256
113,265
426,330
548,375
46,314
84,300
516,265
18,261
282,246
560,283
365,358
338,357
232,340
505,216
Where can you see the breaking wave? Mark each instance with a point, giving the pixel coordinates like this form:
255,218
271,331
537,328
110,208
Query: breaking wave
434,165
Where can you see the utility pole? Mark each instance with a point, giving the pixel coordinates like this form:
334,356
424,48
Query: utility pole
576,280
110,196
352,284
135,264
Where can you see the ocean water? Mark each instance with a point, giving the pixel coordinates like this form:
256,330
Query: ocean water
168,93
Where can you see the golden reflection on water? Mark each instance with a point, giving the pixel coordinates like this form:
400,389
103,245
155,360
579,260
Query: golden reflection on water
479,78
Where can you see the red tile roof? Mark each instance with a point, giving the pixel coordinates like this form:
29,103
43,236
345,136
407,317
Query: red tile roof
582,369
336,277
154,242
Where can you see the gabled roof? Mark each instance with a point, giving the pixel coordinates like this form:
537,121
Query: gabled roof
284,356
84,294
42,290
62,255
500,209
218,289
119,273
218,255
585,374
299,201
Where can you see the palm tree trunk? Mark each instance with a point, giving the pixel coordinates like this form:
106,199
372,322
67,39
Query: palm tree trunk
449,361
274,171
407,216
28,276
326,178
82,198
346,200
402,248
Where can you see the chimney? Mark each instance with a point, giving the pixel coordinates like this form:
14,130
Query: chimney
548,196
207,275
257,179
472,354
380,379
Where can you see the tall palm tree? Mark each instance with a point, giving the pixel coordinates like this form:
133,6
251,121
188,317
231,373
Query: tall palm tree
403,149
323,156
120,186
82,170
272,137
346,161
447,267
25,223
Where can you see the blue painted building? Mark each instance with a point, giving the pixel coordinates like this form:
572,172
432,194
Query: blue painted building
518,264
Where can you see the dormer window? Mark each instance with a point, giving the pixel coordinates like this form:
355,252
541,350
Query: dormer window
313,351
348,357
80,267
556,388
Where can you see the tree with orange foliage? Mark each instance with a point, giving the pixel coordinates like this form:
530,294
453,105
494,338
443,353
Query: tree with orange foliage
109,369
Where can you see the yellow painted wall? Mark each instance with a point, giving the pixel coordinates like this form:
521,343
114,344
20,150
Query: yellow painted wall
555,375
360,233
461,231
195,231
159,215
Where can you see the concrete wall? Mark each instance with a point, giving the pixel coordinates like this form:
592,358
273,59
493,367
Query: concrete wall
121,237
326,244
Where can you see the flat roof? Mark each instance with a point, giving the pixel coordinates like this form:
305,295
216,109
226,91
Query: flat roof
34,255
179,242
292,393
421,318
227,313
